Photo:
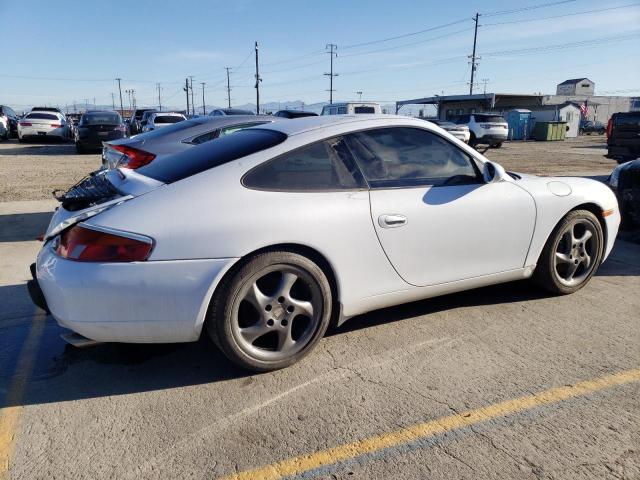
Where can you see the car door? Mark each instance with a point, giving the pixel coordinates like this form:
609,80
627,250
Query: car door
436,219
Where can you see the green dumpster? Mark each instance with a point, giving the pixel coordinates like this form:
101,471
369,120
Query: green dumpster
543,131
549,131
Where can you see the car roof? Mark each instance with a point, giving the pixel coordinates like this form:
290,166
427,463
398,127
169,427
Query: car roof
305,124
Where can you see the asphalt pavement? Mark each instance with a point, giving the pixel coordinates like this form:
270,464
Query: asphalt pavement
499,382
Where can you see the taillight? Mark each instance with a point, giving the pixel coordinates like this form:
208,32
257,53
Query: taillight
24,124
609,127
135,158
56,125
87,245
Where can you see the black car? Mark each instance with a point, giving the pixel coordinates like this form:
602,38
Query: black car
10,120
623,136
294,114
587,127
96,127
625,182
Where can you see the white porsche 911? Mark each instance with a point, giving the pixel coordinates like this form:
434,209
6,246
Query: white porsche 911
262,237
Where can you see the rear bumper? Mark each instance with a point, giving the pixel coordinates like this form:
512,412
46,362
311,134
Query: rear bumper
623,151
95,142
140,302
492,137
35,292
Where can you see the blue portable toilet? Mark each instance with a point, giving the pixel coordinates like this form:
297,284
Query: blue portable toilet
520,124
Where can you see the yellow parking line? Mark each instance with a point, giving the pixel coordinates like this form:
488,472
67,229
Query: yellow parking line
311,461
10,415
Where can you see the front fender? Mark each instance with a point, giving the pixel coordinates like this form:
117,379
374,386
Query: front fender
557,196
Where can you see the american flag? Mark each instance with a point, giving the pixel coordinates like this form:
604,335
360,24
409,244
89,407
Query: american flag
584,108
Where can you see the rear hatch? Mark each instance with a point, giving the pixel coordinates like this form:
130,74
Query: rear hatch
42,121
96,193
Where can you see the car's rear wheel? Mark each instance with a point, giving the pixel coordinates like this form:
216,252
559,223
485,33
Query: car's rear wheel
271,311
79,148
572,253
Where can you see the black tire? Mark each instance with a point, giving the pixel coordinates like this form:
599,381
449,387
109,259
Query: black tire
228,297
497,145
546,275
21,140
79,149
472,140
581,131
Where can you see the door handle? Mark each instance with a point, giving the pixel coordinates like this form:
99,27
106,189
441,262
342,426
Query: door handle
391,221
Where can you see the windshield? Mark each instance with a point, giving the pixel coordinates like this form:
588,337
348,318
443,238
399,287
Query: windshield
100,119
172,168
489,118
42,116
168,119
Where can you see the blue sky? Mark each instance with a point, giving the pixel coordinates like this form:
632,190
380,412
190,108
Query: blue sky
72,50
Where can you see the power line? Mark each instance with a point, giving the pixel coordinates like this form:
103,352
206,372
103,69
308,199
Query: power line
546,48
388,39
525,20
526,9
396,47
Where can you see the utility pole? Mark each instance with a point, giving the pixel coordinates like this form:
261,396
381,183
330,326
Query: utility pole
113,101
228,88
359,96
94,102
186,89
332,53
120,90
473,55
159,100
485,80
204,109
258,80
193,104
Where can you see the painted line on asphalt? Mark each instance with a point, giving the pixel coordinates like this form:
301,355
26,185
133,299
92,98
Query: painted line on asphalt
10,415
323,458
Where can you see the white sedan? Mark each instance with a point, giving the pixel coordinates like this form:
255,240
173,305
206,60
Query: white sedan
162,119
43,125
262,237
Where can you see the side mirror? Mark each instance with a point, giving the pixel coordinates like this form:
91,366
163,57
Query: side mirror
492,172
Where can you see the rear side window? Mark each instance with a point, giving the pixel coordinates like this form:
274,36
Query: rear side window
628,120
321,166
42,116
211,154
167,119
489,118
405,157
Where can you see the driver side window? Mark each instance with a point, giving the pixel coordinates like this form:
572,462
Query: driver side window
404,157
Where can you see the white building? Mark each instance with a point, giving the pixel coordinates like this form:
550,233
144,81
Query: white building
576,86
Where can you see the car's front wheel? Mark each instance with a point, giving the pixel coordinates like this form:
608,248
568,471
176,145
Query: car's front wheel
271,311
572,253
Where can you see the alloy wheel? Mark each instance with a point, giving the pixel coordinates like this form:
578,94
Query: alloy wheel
276,312
576,252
